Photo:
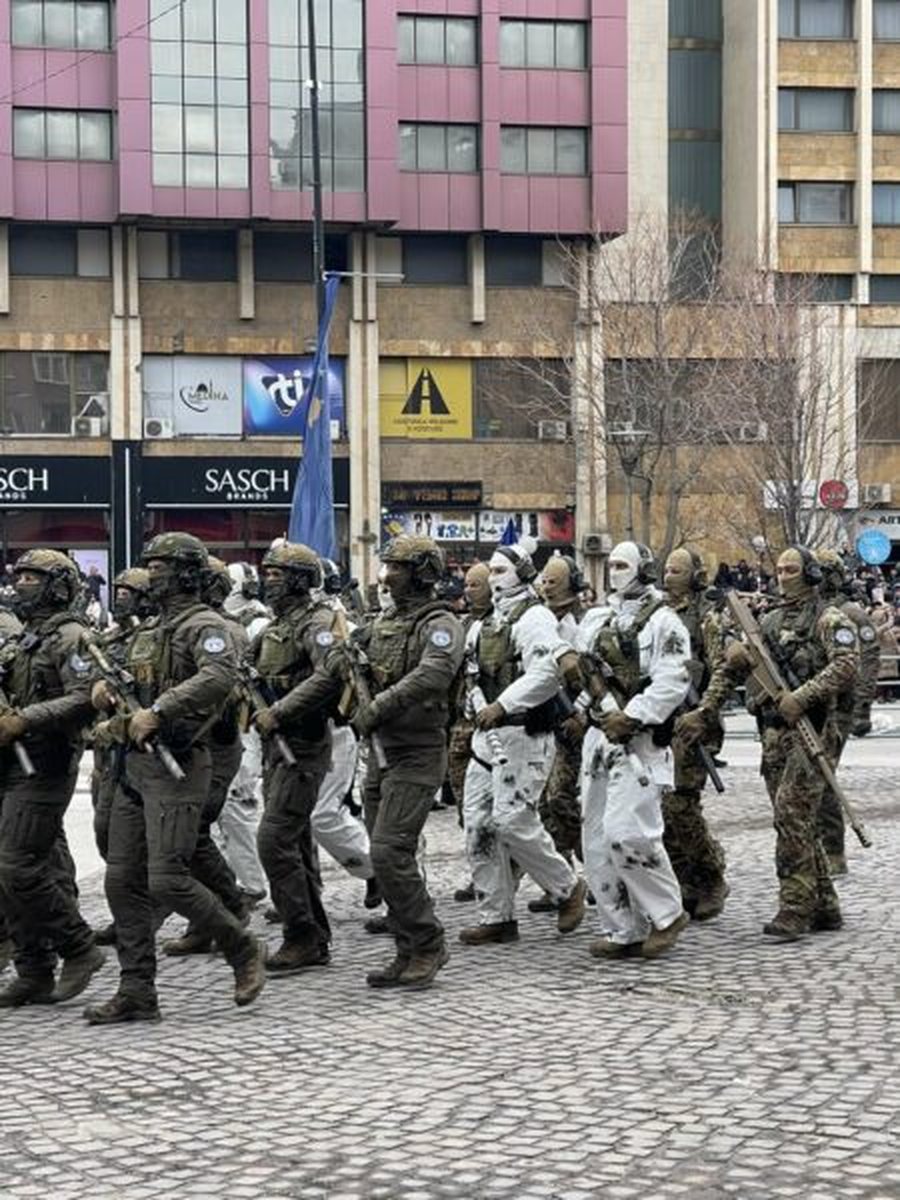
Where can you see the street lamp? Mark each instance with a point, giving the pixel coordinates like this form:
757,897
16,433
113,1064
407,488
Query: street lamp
758,542
629,443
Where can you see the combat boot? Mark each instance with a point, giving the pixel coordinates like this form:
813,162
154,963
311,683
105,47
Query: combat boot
421,969
837,864
191,942
292,957
7,949
658,941
28,989
709,906
76,973
377,926
826,920
787,925
387,976
120,1009
373,897
250,972
105,936
496,931
465,895
571,911
604,948
543,904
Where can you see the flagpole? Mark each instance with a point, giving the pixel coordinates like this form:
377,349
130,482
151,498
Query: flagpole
318,238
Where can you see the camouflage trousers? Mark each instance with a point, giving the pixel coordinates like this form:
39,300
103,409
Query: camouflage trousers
459,752
697,857
795,788
560,804
831,815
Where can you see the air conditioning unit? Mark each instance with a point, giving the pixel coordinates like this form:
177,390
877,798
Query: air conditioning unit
88,427
752,431
552,431
877,493
593,545
159,427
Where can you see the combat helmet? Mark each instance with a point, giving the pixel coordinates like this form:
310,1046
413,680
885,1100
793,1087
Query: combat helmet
188,554
834,571
216,585
422,553
63,579
298,560
135,580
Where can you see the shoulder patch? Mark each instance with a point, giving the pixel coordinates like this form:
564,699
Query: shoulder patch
79,665
324,638
866,634
844,636
441,638
213,643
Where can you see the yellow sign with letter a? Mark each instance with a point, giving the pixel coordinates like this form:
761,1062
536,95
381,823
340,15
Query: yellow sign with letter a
425,397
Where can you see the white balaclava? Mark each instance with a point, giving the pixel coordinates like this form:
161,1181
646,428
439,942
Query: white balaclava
386,601
624,580
506,581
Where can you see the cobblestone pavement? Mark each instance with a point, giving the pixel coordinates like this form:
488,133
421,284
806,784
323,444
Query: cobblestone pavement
733,1067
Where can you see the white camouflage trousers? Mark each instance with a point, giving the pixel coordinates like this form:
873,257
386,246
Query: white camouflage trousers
500,813
235,830
334,827
625,861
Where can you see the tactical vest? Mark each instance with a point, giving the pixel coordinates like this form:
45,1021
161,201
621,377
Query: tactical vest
692,616
622,653
31,680
282,660
388,641
790,632
150,655
499,662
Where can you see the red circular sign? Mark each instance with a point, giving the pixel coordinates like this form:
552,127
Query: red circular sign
834,493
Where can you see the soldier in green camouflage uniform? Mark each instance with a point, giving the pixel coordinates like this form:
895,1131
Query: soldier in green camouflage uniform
183,665
697,857
853,708
414,652
815,648
48,686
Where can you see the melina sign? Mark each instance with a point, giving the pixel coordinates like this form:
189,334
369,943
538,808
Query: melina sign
72,481
229,483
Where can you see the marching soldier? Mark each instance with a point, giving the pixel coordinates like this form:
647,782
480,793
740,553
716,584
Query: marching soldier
287,653
513,652
642,649
853,708
183,664
815,647
413,651
696,856
48,687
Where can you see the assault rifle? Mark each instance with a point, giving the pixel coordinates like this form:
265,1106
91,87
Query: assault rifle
121,683
771,680
250,687
21,753
475,702
709,764
356,664
597,674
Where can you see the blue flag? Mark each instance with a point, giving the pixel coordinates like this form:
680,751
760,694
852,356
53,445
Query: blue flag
312,506
510,537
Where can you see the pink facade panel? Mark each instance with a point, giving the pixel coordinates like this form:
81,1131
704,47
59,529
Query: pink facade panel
97,199
29,191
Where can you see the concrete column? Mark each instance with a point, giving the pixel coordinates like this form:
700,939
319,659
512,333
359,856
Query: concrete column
363,411
748,195
118,377
589,416
135,351
477,293
246,278
863,197
4,268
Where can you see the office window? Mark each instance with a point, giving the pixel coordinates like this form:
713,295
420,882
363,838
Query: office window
62,134
886,204
513,261
886,20
531,150
815,110
436,259
884,289
438,148
201,129
886,110
815,203
59,250
447,41
42,392
544,44
82,25
282,256
824,19
511,395
339,35
204,254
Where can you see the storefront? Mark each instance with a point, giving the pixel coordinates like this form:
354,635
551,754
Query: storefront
237,506
451,513
57,501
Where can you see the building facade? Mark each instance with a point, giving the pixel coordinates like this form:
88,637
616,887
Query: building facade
156,303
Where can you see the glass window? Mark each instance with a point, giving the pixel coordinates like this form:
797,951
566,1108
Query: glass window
168,170
62,134
27,23
92,26
282,257
199,19
93,253
438,147
884,289
886,110
461,42
512,396
543,44
59,23
429,40
886,204
815,110
95,136
786,204
42,250
206,254
441,259
450,41
153,254
815,203
886,20
64,24
534,150
825,19
406,39
28,133
513,262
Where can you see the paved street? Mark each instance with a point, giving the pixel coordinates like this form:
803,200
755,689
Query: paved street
732,1068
